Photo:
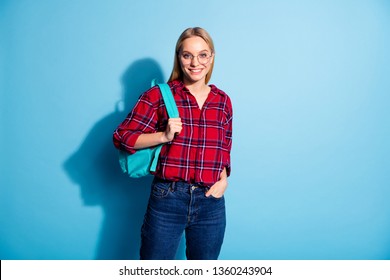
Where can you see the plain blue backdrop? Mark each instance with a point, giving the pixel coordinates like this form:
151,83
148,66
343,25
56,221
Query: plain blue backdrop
310,86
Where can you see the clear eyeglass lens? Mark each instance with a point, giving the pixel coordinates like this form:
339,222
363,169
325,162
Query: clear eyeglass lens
203,58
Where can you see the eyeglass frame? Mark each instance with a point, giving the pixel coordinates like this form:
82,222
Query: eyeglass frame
180,54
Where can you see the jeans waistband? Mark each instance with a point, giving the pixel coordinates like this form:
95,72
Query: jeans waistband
181,184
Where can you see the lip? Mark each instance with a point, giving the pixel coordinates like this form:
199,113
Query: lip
195,71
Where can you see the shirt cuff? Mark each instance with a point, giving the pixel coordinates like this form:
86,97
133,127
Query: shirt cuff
128,146
227,164
228,170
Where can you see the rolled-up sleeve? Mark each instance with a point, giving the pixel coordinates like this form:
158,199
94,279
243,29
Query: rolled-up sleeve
228,127
142,119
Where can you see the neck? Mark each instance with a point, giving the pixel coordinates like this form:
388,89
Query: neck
196,87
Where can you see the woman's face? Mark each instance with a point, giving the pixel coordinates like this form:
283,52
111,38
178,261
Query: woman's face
195,60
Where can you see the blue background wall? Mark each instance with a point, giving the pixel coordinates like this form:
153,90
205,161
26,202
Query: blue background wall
310,86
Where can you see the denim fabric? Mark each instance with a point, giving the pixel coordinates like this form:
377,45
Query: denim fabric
177,207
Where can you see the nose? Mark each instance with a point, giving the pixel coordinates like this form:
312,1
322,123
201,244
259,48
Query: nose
194,61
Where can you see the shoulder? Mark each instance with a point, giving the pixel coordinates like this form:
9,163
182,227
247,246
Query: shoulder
220,92
176,86
151,95
223,95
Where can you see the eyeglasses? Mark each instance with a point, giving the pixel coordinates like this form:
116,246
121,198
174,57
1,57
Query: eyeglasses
187,58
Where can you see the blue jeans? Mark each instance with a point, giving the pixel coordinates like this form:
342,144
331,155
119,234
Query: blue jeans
177,207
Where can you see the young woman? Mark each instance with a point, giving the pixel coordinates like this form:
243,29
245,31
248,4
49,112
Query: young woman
191,176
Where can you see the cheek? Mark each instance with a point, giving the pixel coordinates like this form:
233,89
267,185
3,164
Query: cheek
182,67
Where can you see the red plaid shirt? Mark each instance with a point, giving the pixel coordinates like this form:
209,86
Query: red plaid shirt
201,151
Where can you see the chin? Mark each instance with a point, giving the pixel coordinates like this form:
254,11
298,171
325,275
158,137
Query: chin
195,78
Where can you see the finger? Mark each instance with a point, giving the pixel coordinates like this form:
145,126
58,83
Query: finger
177,128
210,191
176,121
174,126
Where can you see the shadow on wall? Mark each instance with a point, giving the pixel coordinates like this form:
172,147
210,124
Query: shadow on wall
95,168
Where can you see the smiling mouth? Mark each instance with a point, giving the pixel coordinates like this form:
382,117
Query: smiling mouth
195,70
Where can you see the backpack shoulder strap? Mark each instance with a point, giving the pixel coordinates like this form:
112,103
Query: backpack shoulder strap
170,104
169,100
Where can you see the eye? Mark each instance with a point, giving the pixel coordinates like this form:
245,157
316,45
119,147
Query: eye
203,55
187,56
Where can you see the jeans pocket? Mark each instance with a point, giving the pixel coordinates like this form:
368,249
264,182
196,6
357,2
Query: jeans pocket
161,189
211,196
216,198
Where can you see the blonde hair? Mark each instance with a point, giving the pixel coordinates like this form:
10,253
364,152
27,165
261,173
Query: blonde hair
177,72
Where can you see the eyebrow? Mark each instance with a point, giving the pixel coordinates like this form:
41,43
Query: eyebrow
198,52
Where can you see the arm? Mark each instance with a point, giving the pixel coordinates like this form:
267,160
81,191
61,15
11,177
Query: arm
146,140
143,119
228,127
219,188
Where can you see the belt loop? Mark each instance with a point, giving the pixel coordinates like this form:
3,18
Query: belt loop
173,185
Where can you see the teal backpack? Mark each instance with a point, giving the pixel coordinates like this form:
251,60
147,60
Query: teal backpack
144,161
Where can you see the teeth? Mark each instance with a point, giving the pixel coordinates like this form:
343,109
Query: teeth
196,71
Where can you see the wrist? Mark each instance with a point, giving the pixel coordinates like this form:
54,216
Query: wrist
163,138
223,175
223,179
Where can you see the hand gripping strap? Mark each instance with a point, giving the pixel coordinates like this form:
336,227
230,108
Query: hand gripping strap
170,104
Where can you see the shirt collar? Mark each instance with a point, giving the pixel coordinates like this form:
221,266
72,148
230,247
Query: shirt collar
180,85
